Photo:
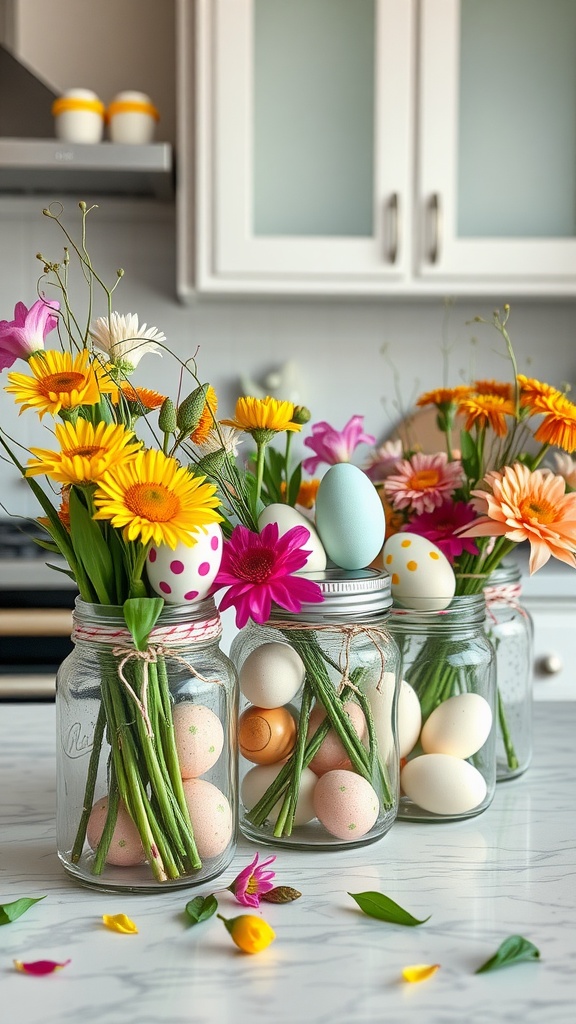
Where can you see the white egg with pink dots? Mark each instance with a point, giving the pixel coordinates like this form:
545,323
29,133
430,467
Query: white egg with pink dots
184,575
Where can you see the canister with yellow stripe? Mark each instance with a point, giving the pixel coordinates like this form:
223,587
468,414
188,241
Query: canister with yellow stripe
132,118
79,116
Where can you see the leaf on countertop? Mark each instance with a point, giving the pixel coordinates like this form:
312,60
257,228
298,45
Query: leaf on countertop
119,923
39,967
201,908
12,911
513,950
375,904
281,894
419,972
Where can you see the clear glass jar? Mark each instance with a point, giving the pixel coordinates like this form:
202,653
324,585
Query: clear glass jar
317,729
146,754
446,711
511,632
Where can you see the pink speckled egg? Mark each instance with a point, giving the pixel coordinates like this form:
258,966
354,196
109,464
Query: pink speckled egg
346,804
199,738
184,575
126,848
332,754
211,817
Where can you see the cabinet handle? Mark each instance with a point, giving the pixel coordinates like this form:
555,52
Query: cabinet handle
394,212
435,228
549,665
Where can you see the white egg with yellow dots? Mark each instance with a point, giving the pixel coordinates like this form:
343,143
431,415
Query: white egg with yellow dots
421,575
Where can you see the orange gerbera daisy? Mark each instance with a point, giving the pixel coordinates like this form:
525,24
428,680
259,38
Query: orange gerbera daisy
207,418
533,393
487,410
494,387
141,400
528,505
559,424
444,396
307,492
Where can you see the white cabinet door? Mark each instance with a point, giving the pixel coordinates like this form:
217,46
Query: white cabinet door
497,133
304,144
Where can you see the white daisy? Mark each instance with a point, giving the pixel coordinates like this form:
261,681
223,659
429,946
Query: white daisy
123,341
223,438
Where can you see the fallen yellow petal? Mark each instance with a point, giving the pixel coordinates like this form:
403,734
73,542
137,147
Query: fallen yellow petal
120,923
419,972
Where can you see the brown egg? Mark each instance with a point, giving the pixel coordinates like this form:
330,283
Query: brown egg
266,735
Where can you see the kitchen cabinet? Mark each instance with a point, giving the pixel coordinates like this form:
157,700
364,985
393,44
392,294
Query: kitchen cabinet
384,147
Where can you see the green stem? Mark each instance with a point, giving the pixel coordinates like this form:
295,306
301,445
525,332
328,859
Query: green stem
91,777
511,758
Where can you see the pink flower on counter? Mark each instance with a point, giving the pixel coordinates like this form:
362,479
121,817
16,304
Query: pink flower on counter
24,335
258,569
333,446
253,882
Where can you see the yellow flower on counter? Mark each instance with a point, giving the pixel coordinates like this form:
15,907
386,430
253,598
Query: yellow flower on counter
250,933
419,972
119,923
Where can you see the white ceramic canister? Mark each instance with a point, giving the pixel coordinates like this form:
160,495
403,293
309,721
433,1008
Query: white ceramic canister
78,116
132,118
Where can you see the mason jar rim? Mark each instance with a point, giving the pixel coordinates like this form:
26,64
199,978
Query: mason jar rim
348,595
464,610
171,613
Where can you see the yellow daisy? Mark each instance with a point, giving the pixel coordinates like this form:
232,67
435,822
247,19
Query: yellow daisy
59,381
263,414
206,422
87,452
153,498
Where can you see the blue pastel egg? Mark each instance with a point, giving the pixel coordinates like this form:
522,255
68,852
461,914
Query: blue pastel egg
349,517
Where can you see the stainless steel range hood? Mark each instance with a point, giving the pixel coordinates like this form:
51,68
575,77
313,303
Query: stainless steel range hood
32,160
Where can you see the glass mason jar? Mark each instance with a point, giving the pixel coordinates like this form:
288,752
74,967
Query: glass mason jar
317,729
446,711
510,629
146,754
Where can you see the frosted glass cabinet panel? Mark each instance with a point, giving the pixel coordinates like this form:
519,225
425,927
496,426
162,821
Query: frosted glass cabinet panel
313,102
304,134
498,138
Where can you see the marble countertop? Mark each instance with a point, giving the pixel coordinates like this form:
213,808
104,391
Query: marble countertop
509,871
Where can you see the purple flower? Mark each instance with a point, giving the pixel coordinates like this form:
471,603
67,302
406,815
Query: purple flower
257,568
25,334
333,446
253,882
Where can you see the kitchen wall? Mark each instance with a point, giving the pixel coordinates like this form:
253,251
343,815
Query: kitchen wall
336,345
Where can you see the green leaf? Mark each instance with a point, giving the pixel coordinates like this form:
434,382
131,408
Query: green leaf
469,456
513,950
141,615
12,911
91,548
201,908
375,904
294,484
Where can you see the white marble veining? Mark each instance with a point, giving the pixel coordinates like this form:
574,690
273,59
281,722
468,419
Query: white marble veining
510,870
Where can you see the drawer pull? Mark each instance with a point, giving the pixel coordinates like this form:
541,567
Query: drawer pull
549,665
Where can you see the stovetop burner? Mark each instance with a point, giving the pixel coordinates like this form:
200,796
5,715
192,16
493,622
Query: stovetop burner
17,538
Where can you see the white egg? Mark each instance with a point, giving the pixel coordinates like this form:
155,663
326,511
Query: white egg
459,726
258,779
272,675
349,517
286,517
421,575
184,575
443,784
409,715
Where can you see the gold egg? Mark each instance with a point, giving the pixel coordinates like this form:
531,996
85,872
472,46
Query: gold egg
266,735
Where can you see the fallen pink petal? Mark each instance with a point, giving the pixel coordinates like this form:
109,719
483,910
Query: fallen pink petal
39,967
253,882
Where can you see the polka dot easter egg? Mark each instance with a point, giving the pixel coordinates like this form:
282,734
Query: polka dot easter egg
421,575
184,575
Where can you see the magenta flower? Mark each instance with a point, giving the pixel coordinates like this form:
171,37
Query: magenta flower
440,527
423,482
333,446
258,569
25,334
253,882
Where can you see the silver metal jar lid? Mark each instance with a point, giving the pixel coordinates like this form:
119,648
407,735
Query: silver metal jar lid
349,595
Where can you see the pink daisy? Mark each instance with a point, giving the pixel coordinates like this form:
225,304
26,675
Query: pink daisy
440,527
253,882
258,569
422,482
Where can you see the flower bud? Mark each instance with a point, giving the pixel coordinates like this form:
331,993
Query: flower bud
167,417
190,411
301,414
250,933
211,463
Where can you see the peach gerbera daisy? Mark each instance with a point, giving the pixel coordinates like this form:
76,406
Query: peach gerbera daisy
528,505
487,410
422,482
